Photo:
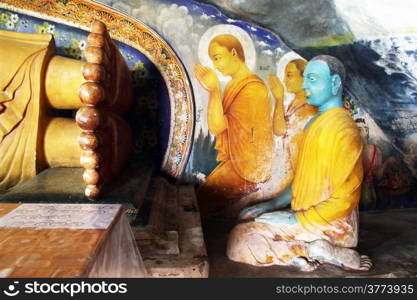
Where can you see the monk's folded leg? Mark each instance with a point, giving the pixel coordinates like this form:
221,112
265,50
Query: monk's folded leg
346,258
256,244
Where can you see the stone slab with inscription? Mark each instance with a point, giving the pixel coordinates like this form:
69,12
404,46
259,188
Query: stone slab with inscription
67,240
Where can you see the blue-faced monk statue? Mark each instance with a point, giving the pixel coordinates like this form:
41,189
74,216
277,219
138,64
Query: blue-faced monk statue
321,225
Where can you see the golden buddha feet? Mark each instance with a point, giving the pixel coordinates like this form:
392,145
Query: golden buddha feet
105,142
105,139
106,65
100,89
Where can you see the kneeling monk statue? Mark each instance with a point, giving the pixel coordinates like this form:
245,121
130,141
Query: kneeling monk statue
322,224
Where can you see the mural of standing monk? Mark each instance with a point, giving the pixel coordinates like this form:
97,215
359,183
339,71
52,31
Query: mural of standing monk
241,122
290,122
322,224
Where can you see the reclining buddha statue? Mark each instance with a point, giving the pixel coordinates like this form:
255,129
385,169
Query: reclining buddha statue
35,82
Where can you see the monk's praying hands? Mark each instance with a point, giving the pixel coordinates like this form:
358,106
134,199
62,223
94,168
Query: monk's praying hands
207,77
276,86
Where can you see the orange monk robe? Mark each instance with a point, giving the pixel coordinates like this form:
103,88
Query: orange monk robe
245,147
21,91
327,183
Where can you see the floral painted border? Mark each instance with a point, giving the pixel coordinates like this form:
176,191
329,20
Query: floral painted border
80,14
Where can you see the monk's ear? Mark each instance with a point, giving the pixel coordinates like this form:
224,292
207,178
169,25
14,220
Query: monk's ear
234,52
336,84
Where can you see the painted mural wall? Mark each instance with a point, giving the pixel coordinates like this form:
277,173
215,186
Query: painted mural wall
380,89
247,159
377,41
252,158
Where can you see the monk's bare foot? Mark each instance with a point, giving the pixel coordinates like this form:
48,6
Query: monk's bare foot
305,265
254,211
366,263
345,258
351,260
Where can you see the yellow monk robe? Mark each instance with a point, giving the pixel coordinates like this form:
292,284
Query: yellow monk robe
245,148
327,183
326,191
23,63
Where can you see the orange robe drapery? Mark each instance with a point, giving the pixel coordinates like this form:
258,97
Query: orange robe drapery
245,147
23,65
327,183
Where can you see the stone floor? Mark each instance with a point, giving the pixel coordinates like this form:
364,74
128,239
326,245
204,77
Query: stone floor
388,237
164,216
